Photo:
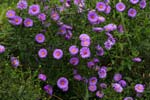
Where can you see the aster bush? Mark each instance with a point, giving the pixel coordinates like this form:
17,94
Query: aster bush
75,49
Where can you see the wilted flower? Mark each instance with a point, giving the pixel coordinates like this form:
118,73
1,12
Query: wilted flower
117,77
117,87
99,94
74,61
15,62
48,89
123,83
134,1
42,17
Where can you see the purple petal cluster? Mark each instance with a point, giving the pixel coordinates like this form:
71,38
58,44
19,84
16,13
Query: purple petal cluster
63,83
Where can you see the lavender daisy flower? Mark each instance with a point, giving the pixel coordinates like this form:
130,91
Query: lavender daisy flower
102,73
84,37
117,77
58,54
117,87
90,64
34,9
55,16
101,19
74,61
62,82
137,59
78,77
134,1
128,98
2,49
48,89
139,88
103,85
123,83
97,29
120,6
42,17
62,30
42,53
132,12
100,50
85,43
142,4
93,81
108,9
92,88
99,94
17,20
101,6
28,22
22,4
10,14
42,77
73,50
85,52
40,38
110,27
92,16
15,62
108,44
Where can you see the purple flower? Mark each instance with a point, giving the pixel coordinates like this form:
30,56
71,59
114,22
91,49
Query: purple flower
74,61
90,64
117,87
132,12
17,20
100,50
58,54
128,98
102,73
42,17
62,30
92,16
34,9
142,4
101,6
108,44
42,53
117,77
84,37
78,77
120,29
85,52
120,6
96,60
42,77
108,9
92,88
137,59
139,88
85,43
65,89
97,29
110,27
134,1
123,83
103,85
15,62
73,50
28,22
99,94
55,16
62,82
22,4
2,49
69,34
48,89
40,38
93,81
101,19
10,14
